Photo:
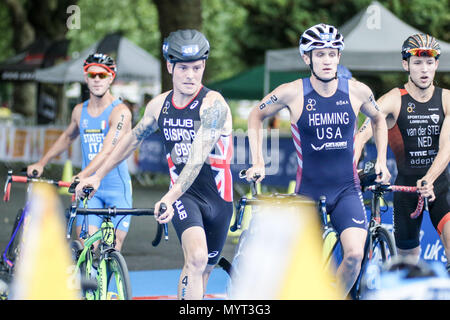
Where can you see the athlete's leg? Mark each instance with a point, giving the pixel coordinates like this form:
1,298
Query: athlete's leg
406,230
120,238
440,216
445,239
120,197
352,241
206,275
193,242
350,221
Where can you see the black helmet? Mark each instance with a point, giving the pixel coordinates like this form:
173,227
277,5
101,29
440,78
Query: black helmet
102,60
185,45
422,45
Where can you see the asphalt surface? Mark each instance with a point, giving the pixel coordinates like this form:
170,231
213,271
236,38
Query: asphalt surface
137,250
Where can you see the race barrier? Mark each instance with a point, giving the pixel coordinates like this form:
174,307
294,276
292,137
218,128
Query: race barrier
28,144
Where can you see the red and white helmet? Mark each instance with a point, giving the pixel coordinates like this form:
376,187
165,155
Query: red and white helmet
321,36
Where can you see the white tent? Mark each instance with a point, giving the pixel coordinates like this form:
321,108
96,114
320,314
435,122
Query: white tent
133,64
373,40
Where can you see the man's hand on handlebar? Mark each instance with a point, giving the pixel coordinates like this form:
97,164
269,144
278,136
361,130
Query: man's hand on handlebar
35,170
256,173
425,189
92,182
382,172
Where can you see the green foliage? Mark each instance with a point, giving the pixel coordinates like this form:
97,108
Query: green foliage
240,31
6,49
137,19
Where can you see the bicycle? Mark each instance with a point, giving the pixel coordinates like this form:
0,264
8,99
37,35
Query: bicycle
380,245
231,268
11,253
111,269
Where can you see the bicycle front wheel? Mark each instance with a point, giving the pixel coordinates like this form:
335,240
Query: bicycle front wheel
381,250
383,247
116,282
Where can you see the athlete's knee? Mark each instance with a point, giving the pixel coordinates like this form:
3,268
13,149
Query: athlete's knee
197,260
353,257
120,238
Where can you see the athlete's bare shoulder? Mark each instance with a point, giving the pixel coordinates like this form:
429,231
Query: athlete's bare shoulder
359,89
155,105
76,113
390,102
215,104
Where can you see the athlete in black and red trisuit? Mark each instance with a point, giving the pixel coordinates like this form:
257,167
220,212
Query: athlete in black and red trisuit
418,118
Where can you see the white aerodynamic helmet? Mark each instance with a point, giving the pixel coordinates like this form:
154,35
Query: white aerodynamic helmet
321,36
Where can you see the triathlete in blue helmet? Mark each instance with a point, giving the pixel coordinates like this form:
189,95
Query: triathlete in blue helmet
323,111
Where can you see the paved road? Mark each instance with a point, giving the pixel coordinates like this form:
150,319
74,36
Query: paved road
137,250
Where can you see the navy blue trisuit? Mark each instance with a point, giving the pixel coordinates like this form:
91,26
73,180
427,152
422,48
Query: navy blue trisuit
324,141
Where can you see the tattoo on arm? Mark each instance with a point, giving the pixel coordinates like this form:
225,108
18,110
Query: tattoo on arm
373,102
212,122
271,100
118,128
364,125
145,127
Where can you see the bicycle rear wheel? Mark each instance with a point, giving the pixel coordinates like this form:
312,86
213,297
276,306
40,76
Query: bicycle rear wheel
117,283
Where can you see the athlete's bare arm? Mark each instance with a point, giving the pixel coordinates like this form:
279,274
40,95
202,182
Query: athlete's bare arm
389,105
286,95
215,120
120,124
442,158
62,143
371,109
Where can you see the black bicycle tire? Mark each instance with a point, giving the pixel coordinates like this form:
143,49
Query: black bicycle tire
385,236
381,235
75,248
122,271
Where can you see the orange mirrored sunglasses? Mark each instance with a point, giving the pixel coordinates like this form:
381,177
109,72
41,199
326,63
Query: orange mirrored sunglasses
101,75
418,52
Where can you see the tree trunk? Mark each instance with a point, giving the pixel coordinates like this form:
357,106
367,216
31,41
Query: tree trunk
30,20
175,15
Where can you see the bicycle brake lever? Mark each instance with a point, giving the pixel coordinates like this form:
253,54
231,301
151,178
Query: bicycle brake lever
74,185
162,209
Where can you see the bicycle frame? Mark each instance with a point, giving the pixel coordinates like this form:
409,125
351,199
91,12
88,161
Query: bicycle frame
7,191
106,246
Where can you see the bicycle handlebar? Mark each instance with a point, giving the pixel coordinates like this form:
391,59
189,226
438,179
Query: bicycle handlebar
421,204
25,179
112,212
